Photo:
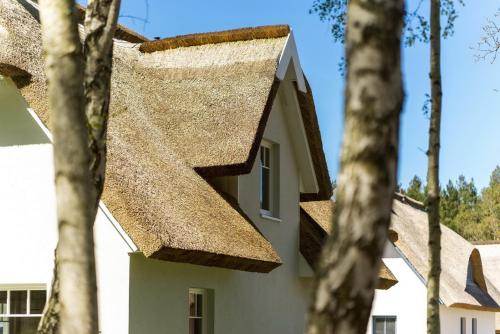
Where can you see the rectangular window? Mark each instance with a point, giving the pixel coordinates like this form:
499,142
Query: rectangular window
463,326
269,179
474,325
21,309
200,311
384,325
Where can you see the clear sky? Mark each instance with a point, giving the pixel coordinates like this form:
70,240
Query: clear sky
471,119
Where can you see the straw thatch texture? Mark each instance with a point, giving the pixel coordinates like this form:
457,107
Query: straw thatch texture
233,35
315,225
461,276
168,210
490,256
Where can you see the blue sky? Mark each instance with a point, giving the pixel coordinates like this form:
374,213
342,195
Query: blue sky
471,120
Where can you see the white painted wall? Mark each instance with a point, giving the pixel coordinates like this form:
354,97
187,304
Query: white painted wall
28,224
245,303
450,320
407,300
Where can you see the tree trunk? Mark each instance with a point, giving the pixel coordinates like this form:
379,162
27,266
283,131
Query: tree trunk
100,25
433,323
348,269
75,262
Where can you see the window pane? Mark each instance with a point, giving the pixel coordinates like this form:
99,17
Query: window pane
267,158
18,301
195,326
390,326
23,325
378,327
265,189
199,305
37,301
3,302
474,325
192,304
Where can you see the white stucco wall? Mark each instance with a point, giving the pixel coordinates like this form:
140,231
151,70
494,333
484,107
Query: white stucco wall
450,320
407,300
28,224
245,303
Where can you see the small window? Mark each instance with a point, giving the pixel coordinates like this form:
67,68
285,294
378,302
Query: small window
200,311
21,309
463,326
474,325
269,179
384,325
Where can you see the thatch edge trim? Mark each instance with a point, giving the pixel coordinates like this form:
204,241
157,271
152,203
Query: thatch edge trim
216,37
475,307
410,201
20,77
208,259
311,126
245,167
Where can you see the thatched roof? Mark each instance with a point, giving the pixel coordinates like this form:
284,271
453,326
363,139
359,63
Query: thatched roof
463,283
490,256
177,116
315,225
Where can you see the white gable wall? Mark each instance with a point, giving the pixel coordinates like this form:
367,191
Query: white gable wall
406,300
28,223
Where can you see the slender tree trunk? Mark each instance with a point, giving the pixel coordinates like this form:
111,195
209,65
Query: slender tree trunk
433,323
348,270
75,251
100,25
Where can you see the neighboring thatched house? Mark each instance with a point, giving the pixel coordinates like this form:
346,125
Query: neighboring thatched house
470,287
213,142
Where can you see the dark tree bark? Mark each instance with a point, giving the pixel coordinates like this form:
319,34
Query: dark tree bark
93,96
348,269
100,25
433,192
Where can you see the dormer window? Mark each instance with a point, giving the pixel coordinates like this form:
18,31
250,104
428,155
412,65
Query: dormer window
269,179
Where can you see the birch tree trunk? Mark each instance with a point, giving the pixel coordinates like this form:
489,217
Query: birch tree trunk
100,25
75,261
433,322
348,269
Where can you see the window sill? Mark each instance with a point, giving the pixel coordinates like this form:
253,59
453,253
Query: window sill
263,215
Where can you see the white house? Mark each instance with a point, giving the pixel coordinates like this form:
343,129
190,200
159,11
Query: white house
213,147
469,289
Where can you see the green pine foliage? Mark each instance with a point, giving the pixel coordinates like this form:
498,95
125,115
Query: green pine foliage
472,214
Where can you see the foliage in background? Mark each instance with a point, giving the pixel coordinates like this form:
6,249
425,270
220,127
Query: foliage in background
416,25
472,214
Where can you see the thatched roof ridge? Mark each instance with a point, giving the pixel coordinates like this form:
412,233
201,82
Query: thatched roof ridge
315,226
226,36
462,278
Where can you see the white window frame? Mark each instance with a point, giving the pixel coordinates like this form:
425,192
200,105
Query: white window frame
206,309
385,317
28,288
273,212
